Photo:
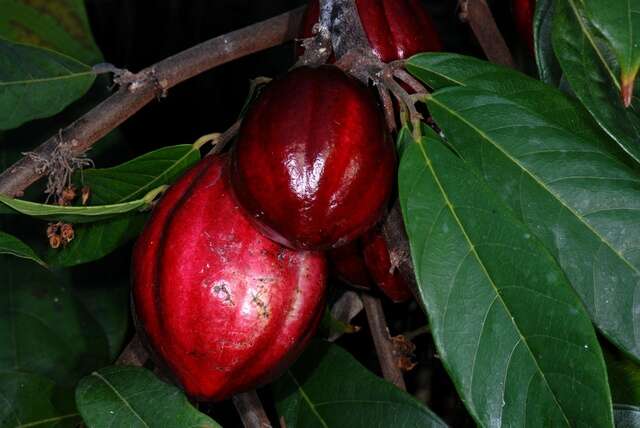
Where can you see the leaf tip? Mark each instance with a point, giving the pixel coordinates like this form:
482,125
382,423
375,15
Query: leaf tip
626,92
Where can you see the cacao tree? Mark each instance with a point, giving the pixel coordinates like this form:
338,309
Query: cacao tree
347,213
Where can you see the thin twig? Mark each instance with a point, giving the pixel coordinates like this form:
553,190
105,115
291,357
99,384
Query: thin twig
250,410
479,17
382,341
134,353
152,82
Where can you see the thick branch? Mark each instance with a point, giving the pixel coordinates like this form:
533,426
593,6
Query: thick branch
479,16
382,340
155,80
347,32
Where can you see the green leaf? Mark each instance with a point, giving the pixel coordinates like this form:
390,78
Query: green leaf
443,70
618,22
513,335
93,241
626,416
327,387
36,83
331,326
592,74
44,328
108,304
119,184
548,67
135,178
559,173
11,245
121,396
60,25
77,214
32,400
572,192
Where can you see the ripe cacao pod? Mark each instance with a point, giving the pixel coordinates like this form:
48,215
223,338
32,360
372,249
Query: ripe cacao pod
396,29
381,269
223,308
313,163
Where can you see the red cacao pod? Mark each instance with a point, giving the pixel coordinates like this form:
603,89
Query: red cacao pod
347,262
396,29
222,307
313,163
379,264
523,14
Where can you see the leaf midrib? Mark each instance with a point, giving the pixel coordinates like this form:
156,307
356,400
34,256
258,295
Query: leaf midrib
307,400
488,276
52,419
119,396
46,79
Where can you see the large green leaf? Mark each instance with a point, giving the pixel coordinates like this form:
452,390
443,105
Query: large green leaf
121,396
44,328
60,25
77,214
593,75
36,83
548,67
558,172
28,400
513,335
327,387
120,184
619,24
11,245
442,70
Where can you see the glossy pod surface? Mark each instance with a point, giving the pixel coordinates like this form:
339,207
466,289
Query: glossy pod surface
396,29
379,265
222,307
313,163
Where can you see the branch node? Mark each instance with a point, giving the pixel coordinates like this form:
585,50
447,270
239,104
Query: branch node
59,165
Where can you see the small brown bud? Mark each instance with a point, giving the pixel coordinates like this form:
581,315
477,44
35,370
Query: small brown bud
69,194
405,364
52,229
67,233
55,241
86,193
